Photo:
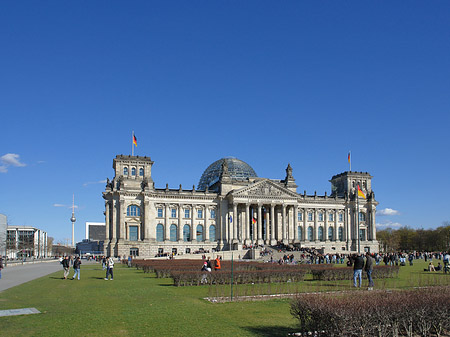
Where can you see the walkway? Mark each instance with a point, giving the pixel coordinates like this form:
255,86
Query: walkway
13,276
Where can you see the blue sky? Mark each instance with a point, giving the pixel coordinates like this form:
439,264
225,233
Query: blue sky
268,82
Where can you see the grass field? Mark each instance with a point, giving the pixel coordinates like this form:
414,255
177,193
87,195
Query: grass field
138,304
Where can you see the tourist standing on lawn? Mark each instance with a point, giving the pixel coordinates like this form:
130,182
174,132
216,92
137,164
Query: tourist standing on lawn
1,267
217,264
110,268
368,268
76,268
66,265
358,265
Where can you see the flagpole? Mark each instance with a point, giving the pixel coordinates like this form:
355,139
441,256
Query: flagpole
132,147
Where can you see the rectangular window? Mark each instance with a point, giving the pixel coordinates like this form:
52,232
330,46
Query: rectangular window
187,213
300,216
160,212
134,251
133,233
200,214
341,217
173,213
362,234
310,216
330,217
320,216
213,214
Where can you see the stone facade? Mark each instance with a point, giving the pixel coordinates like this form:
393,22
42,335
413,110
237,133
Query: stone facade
232,210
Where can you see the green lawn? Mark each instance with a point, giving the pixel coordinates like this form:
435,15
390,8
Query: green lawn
139,304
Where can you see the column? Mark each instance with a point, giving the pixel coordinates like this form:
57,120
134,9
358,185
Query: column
316,227
304,231
267,220
235,220
122,233
283,223
147,221
326,225
206,227
246,223
166,223
296,238
180,224
193,229
272,224
107,224
372,224
114,221
260,220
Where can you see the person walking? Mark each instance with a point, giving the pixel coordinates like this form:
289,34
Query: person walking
66,265
110,268
76,268
358,265
368,268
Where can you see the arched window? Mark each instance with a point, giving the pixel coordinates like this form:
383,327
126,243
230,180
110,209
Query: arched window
160,233
212,233
125,171
133,210
310,234
199,233
320,234
186,233
299,232
362,216
173,232
133,171
141,172
330,233
341,234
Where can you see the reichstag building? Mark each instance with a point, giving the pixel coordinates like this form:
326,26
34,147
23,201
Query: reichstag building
233,209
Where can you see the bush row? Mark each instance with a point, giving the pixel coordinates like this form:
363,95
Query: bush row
334,274
191,278
399,313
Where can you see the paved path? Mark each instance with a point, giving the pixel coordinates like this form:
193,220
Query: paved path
13,276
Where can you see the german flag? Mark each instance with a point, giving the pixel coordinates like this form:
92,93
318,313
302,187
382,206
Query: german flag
253,221
134,140
361,193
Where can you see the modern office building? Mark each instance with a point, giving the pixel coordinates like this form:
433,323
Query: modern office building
95,231
26,241
232,208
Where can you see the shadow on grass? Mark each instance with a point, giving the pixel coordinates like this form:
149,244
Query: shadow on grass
270,331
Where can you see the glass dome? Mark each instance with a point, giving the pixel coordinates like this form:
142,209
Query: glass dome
237,169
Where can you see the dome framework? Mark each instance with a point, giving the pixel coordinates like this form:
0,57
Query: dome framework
237,170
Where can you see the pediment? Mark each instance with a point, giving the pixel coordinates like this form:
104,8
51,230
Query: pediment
265,188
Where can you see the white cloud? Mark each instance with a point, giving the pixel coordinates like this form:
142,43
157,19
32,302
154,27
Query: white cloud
94,182
59,205
10,159
387,211
389,225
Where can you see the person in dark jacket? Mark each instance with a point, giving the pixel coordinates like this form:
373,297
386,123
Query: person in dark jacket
358,265
76,268
66,265
368,268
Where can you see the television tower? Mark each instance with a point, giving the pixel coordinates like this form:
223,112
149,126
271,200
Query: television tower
73,220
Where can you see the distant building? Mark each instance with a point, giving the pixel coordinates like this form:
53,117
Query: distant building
95,231
26,241
89,247
232,208
3,225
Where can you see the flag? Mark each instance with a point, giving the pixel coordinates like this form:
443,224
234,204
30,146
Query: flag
134,140
349,157
361,193
253,221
